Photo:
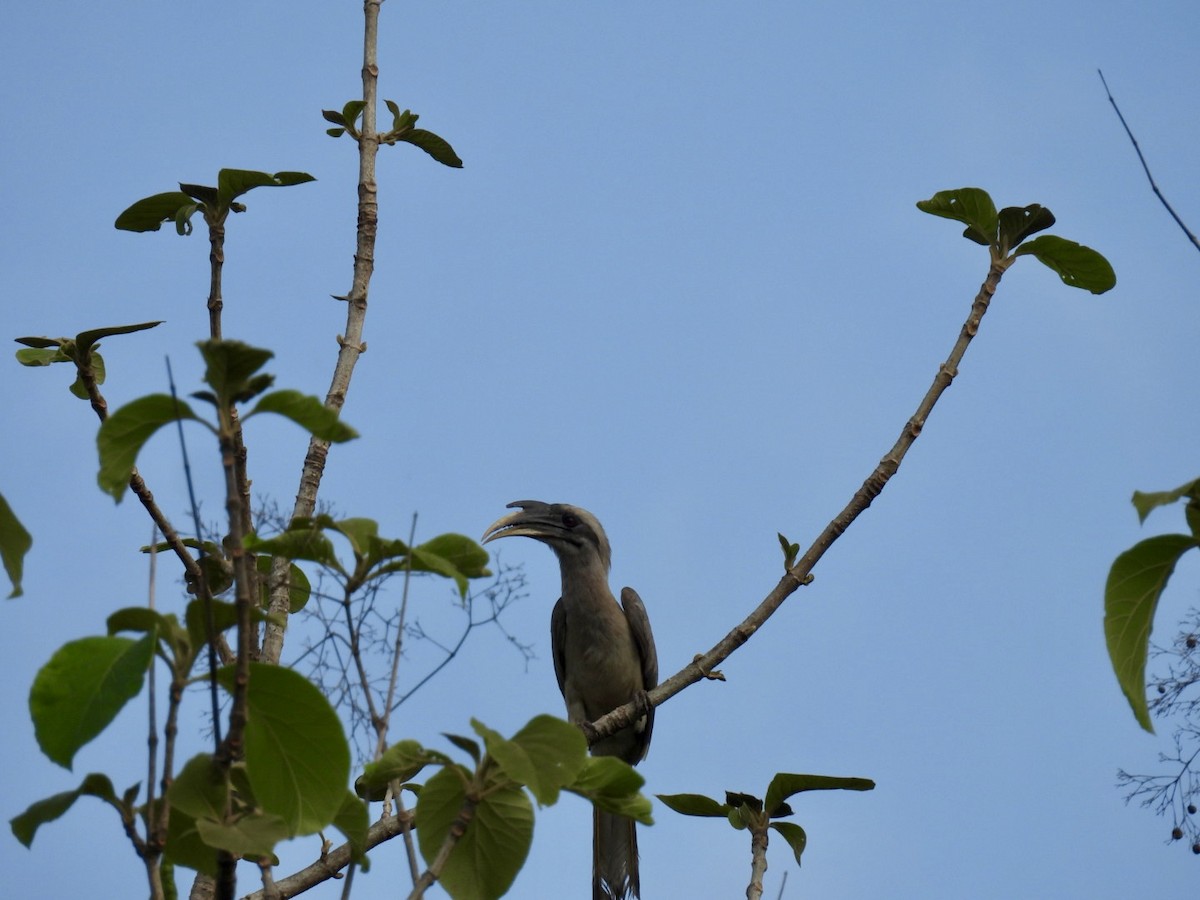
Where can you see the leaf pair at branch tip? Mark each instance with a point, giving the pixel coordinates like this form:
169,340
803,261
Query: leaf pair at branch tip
149,213
81,350
1005,231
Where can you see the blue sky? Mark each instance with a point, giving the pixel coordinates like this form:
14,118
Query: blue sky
681,281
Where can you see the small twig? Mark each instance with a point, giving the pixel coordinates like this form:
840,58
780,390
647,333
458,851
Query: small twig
1145,167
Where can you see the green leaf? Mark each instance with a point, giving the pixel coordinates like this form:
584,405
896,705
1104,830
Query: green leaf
613,785
971,206
299,587
435,146
203,194
186,848
15,542
41,356
794,835
25,826
785,784
351,111
232,183
253,834
86,339
1078,266
42,343
308,412
485,861
96,363
82,688
149,213
224,618
1019,222
461,552
545,755
400,762
335,132
694,805
1135,582
297,758
332,115
199,789
353,821
301,541
123,434
230,369
1146,503
466,745
143,620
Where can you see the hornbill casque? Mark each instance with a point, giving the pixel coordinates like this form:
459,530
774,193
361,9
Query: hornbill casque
604,657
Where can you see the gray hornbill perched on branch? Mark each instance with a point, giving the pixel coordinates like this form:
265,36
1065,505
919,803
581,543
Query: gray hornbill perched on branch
604,657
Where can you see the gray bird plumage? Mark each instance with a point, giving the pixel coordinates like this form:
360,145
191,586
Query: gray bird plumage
604,657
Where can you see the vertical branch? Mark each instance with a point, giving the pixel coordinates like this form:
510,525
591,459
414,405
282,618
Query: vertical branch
216,260
350,345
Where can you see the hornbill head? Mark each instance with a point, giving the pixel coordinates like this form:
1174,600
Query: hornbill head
573,534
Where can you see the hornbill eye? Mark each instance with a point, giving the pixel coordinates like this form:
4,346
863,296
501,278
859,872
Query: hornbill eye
570,520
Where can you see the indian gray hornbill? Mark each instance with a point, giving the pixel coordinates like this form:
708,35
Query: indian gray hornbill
604,657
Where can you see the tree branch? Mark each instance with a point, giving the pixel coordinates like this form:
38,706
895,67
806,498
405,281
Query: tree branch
703,665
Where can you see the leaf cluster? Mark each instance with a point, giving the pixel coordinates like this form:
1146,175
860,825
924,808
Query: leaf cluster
1004,232
213,203
491,794
747,811
403,129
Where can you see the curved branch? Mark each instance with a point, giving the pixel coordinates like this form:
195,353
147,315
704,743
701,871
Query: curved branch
703,665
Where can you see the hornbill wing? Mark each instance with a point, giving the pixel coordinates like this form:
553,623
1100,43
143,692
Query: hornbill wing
558,644
643,639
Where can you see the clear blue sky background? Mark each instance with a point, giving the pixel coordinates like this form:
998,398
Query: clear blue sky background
682,282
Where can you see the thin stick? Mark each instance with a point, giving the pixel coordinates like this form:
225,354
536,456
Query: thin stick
1146,168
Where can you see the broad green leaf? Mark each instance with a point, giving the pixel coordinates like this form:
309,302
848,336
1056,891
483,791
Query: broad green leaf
485,861
794,835
123,434
332,115
1077,265
785,784
1135,582
557,752
82,688
185,847
144,620
297,758
1146,503
41,356
299,587
1019,222
15,542
435,146
353,821
149,213
613,785
461,552
694,805
25,826
360,532
252,834
400,762
199,790
302,541
308,412
971,206
423,560
232,183
230,369
204,194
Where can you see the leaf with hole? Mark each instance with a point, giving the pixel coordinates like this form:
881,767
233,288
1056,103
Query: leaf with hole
1078,266
971,206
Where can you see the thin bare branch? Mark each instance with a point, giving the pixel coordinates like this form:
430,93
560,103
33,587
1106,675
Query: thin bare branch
1145,167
